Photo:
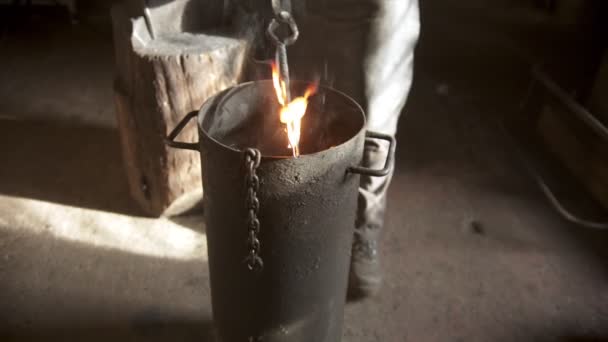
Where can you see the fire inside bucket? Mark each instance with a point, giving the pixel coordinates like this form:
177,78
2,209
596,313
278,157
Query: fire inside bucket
248,116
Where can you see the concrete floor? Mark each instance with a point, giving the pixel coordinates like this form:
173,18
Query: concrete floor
79,263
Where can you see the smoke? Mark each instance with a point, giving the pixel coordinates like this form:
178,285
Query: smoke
248,20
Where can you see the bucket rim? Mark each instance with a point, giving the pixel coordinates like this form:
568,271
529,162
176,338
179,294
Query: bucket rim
216,100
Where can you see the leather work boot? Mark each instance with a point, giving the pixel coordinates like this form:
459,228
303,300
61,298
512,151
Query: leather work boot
365,277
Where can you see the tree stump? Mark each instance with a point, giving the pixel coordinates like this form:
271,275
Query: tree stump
163,73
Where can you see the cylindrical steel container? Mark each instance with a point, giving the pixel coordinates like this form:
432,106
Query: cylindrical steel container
307,208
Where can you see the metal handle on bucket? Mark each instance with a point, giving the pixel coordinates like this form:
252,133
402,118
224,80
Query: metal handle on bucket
390,158
170,140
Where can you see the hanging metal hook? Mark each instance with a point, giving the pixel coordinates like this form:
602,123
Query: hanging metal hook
282,12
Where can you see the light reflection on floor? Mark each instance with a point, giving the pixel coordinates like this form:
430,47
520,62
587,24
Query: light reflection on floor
143,236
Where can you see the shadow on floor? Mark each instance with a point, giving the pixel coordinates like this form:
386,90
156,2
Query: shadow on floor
148,330
73,165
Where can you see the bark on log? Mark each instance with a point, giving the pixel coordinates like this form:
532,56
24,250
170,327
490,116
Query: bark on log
158,82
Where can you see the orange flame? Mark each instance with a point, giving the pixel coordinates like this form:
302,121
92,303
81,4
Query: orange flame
291,114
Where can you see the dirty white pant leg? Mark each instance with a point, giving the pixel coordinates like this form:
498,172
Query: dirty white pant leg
388,75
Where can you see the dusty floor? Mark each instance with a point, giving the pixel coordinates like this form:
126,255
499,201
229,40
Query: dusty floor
78,263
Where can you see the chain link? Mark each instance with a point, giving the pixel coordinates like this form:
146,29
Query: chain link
252,161
283,18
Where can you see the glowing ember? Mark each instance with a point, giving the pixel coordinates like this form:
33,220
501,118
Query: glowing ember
291,113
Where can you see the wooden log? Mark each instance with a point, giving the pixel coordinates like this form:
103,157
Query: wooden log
158,82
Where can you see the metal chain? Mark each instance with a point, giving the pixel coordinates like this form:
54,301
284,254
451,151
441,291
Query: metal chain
252,161
283,17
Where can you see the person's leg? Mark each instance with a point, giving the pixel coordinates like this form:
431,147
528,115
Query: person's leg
364,48
388,76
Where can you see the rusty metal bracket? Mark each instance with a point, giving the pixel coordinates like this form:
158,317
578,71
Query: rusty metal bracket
170,139
390,158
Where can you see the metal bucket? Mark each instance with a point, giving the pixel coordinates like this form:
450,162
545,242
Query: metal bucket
306,209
